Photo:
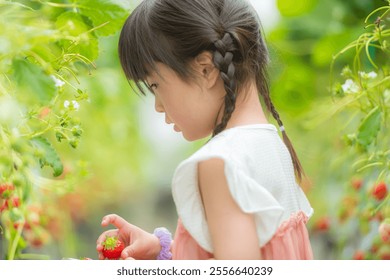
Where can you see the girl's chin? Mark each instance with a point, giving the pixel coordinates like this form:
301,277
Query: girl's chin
194,137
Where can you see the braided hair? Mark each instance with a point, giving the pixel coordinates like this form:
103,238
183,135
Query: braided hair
175,32
223,60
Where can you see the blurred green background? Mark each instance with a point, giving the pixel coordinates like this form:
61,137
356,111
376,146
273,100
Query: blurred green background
129,154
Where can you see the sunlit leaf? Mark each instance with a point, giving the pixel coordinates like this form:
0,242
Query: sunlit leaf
369,127
84,43
104,12
71,23
31,78
48,155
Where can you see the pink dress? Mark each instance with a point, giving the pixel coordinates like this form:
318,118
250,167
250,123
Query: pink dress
260,176
290,242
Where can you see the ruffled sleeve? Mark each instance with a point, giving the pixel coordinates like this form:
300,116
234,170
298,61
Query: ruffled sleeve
248,194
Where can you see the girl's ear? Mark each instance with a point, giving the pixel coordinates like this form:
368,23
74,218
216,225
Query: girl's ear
205,67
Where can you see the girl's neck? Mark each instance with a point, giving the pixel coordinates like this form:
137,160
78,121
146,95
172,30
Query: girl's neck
248,108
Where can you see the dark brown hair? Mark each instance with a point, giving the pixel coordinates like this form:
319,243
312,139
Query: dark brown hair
174,32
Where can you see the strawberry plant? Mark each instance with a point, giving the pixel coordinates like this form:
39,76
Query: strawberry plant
361,99
45,47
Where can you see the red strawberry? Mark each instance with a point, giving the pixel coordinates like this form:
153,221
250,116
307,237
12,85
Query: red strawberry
322,224
359,255
15,203
112,248
6,190
25,226
357,184
380,191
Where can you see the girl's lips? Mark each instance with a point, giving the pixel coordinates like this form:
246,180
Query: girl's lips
176,128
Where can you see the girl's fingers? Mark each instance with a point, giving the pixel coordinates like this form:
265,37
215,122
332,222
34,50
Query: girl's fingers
130,251
115,220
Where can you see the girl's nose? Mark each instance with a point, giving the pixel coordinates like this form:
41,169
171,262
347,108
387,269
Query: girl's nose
158,106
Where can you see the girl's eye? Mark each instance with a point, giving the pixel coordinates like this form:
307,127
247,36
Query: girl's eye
152,87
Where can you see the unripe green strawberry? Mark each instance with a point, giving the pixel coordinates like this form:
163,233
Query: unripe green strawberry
6,190
112,248
343,214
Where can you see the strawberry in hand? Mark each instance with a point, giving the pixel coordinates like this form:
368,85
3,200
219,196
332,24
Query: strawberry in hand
112,248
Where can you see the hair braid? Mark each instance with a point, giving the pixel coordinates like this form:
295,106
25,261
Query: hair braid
296,163
223,60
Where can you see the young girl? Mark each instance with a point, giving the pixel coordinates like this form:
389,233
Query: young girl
237,197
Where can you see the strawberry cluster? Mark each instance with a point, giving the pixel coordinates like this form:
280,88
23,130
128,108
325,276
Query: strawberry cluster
7,198
366,204
20,217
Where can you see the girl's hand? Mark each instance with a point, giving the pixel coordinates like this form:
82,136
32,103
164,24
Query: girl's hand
139,244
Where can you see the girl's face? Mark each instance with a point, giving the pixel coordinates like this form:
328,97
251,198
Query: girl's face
192,107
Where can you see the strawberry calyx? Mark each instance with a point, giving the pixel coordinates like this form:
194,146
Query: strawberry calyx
110,243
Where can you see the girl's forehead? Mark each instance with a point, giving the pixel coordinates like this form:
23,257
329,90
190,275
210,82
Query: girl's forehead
159,71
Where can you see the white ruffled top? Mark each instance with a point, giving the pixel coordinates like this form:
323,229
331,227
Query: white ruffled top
260,176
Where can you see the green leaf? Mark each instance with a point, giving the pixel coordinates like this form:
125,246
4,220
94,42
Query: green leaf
369,127
48,155
107,12
75,25
71,23
31,78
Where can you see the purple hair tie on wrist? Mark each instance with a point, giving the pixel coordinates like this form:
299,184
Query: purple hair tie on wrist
165,238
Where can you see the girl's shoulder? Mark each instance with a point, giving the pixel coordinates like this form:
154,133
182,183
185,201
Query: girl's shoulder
240,141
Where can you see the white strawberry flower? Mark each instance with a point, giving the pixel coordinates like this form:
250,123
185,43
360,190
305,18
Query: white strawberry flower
72,104
350,86
370,75
57,82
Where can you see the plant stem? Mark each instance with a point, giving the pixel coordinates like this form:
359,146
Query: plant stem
15,241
